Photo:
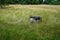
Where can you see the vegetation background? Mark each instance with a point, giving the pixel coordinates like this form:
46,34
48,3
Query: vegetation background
50,2
15,23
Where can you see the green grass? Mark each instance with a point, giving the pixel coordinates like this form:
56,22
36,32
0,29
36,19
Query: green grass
15,25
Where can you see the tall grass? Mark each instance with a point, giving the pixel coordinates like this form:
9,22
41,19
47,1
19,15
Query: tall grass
15,24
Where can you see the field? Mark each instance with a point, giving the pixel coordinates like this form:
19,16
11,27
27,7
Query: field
15,23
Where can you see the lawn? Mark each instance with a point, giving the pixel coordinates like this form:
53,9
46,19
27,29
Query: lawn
15,23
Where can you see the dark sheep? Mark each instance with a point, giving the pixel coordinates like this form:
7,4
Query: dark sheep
35,19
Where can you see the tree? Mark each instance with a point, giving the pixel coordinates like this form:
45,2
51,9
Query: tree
46,1
58,1
3,3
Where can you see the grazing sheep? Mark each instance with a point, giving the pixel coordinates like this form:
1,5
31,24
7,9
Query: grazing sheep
35,19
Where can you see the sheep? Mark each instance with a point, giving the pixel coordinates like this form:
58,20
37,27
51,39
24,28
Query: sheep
35,19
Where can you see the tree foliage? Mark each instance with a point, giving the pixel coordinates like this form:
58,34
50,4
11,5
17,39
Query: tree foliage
3,3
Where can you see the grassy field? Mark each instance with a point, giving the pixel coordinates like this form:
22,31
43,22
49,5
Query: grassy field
15,24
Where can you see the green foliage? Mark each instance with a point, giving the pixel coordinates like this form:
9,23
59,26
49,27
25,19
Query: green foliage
4,2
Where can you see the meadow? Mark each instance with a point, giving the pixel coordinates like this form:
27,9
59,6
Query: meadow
15,23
